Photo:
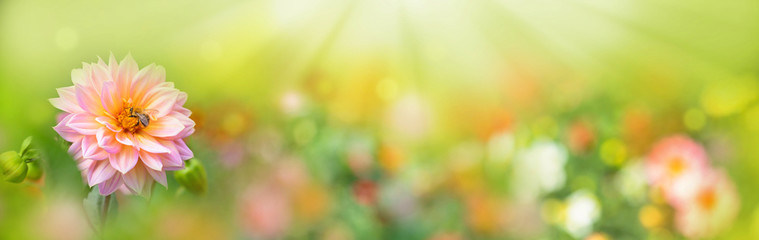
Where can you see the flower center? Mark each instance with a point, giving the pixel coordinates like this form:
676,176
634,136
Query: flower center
129,118
707,199
676,166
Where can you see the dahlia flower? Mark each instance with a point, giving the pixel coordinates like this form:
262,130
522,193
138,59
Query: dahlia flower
673,164
126,124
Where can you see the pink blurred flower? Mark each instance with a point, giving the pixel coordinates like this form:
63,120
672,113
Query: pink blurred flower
673,164
365,192
111,144
292,103
580,137
711,208
410,118
266,211
446,236
360,157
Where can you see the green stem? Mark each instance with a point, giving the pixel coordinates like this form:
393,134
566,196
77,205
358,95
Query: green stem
104,212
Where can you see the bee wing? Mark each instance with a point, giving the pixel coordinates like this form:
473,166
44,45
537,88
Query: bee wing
144,120
151,113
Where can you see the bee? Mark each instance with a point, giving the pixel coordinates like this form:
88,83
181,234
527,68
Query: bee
143,115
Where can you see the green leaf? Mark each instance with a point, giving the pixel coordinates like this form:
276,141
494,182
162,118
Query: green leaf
25,145
93,207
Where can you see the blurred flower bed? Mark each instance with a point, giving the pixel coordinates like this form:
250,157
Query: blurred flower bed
407,119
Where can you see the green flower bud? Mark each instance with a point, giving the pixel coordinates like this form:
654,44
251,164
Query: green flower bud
31,155
9,161
14,168
18,174
35,171
193,177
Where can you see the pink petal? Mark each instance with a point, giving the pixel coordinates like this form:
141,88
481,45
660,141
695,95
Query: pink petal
127,71
189,125
111,185
89,100
84,123
164,127
110,123
100,74
183,111
111,98
79,77
171,165
161,100
107,140
125,138
146,79
67,100
113,67
98,172
181,99
137,179
184,151
75,150
151,160
124,160
171,146
171,161
91,150
67,93
147,143
159,176
66,132
187,132
85,164
64,105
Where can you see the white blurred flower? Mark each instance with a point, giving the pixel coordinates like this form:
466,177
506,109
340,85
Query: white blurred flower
523,220
539,169
466,155
582,211
632,183
291,102
398,200
501,147
409,117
